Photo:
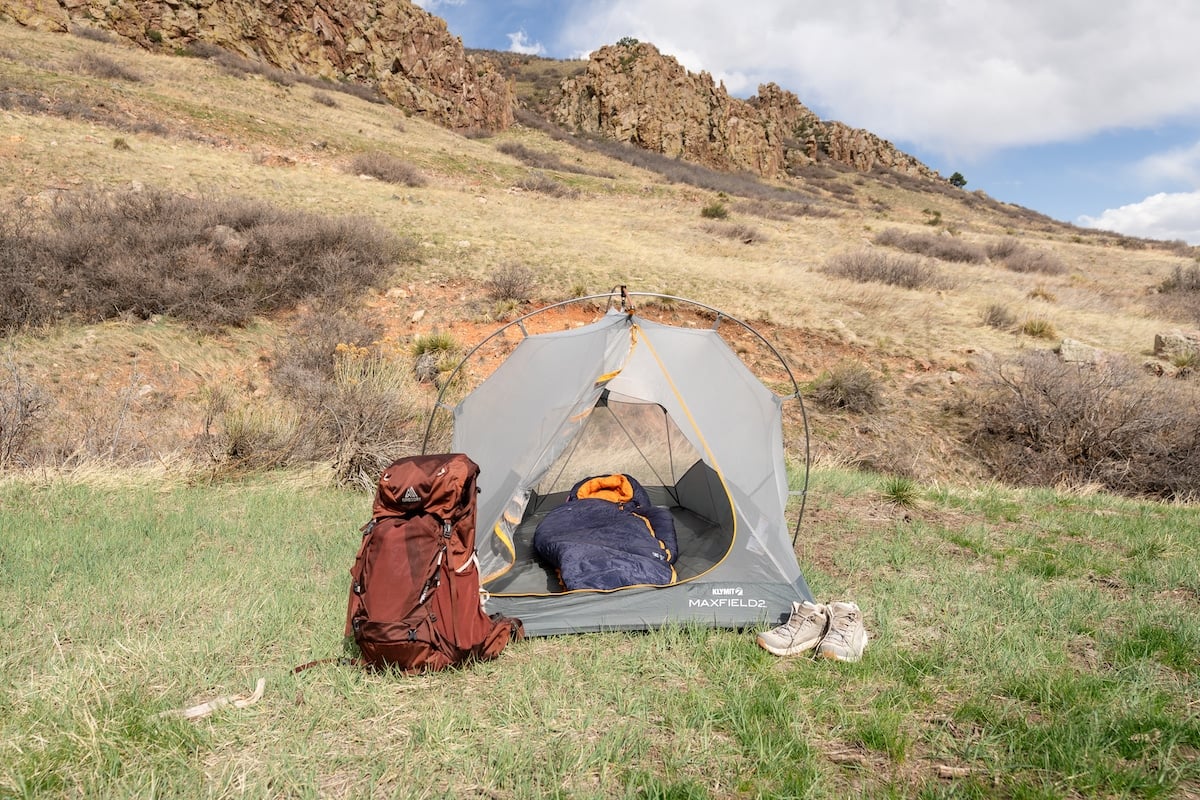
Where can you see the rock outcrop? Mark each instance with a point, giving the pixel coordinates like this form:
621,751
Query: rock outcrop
405,53
633,93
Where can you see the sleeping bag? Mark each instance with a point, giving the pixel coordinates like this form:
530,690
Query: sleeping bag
607,535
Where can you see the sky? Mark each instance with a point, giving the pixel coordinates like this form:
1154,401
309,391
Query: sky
1085,110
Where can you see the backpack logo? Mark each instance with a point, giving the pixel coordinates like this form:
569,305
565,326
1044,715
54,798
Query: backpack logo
410,496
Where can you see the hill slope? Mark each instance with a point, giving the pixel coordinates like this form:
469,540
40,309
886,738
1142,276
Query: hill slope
581,215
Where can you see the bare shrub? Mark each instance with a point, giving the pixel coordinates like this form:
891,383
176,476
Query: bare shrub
738,231
849,386
325,99
1179,294
867,266
94,34
546,185
210,261
1045,422
23,405
1019,257
244,437
1001,249
233,64
781,211
998,316
511,282
23,302
1029,260
940,246
374,418
105,67
386,167
1182,280
342,398
537,158
309,360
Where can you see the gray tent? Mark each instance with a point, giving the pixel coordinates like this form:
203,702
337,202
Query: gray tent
676,408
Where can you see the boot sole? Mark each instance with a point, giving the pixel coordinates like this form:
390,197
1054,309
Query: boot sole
789,651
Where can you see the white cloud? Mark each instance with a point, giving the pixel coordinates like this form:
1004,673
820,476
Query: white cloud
1178,165
518,42
433,5
965,77
1167,216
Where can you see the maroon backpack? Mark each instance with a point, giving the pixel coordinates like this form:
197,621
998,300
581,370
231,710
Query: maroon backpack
414,588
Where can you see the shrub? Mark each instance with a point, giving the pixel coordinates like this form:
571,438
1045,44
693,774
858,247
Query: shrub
1179,294
1002,248
536,158
511,282
867,266
940,246
209,261
310,358
341,399
781,210
1182,280
715,210
95,34
105,67
1038,328
1018,257
1045,422
546,185
375,416
849,386
388,168
22,407
998,316
325,99
739,231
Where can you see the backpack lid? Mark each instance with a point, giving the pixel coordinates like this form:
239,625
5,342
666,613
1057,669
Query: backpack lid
441,484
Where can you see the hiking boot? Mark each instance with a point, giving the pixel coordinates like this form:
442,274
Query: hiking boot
846,638
803,629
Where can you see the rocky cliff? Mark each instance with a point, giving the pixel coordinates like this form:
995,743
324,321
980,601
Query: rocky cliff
629,91
633,93
407,54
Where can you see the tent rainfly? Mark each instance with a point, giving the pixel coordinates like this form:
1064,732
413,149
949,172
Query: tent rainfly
673,407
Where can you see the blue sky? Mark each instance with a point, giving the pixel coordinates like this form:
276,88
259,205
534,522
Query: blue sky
1085,110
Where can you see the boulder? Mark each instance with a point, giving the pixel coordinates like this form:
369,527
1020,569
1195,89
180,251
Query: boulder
1176,343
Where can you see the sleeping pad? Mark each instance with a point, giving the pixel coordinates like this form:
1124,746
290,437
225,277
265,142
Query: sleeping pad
607,535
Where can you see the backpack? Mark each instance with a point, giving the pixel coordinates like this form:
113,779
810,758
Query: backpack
415,601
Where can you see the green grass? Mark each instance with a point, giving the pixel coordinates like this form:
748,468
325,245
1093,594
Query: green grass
1023,644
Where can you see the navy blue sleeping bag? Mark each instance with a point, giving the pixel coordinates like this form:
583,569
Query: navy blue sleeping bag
607,535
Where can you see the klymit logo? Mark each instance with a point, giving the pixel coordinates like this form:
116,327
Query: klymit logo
735,591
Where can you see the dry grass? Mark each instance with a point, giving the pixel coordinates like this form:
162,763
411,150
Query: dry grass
627,224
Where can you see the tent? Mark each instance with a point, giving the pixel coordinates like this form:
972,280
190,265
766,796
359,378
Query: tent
674,406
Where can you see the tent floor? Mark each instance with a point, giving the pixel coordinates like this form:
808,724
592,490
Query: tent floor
702,544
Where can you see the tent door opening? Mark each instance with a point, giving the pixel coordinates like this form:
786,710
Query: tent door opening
640,439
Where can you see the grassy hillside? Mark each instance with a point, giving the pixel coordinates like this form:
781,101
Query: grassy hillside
570,219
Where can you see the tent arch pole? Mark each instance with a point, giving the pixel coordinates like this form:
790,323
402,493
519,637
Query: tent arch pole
623,295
